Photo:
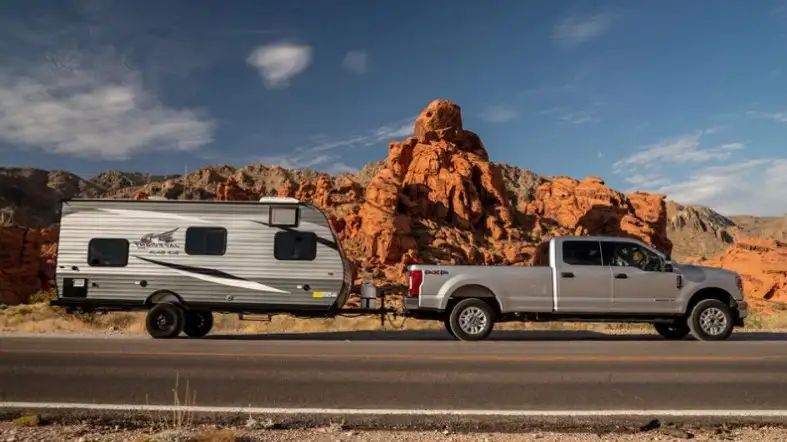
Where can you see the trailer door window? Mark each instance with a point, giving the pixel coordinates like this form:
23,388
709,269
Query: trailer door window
295,246
206,241
107,252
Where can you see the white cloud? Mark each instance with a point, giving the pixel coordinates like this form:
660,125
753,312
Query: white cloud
574,30
92,105
778,117
279,62
579,117
322,155
684,149
754,187
497,114
751,186
356,62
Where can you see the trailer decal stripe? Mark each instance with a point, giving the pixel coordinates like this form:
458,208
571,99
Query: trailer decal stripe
213,275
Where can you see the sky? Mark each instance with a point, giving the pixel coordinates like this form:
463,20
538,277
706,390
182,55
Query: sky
683,98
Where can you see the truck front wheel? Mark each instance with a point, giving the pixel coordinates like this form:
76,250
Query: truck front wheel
471,320
711,320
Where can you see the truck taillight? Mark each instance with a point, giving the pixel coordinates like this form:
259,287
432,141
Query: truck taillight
416,280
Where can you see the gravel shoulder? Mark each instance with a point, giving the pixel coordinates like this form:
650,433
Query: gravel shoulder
11,432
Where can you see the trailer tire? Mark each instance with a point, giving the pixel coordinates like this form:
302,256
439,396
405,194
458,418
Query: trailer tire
165,321
711,320
198,323
471,319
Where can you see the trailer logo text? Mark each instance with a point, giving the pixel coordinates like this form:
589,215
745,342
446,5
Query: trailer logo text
159,243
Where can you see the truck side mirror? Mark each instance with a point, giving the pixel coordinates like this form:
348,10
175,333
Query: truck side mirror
668,267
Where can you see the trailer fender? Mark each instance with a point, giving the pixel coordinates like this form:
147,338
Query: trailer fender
163,296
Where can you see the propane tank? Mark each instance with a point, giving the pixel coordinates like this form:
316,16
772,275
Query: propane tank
368,295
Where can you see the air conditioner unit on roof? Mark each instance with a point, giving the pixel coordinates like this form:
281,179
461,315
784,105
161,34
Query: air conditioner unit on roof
279,199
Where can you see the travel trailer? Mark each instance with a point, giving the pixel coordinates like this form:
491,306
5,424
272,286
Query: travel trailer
183,259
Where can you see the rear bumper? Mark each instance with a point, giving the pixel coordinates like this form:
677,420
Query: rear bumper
413,309
741,312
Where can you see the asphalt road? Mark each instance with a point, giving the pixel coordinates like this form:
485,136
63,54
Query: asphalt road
404,371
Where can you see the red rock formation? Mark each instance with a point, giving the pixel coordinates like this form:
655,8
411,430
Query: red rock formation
141,195
589,207
762,264
441,176
26,262
231,190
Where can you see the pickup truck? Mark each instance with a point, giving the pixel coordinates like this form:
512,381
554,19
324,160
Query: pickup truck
581,278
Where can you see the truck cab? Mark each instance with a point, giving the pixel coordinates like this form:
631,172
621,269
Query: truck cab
583,278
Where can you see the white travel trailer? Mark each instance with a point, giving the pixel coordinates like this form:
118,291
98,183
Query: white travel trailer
182,260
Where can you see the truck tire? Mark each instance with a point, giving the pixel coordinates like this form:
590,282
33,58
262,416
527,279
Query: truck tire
198,323
674,332
711,320
471,320
165,321
447,323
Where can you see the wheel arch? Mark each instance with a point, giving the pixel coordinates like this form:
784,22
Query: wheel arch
163,296
473,291
710,293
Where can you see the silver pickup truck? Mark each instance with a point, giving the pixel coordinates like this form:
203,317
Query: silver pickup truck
581,278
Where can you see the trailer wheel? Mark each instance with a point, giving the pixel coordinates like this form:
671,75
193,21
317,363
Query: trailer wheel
471,320
165,321
711,320
674,332
198,323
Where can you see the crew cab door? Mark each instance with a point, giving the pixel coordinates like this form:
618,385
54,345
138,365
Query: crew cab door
584,284
640,283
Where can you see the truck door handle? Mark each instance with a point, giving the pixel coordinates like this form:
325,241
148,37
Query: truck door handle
567,274
621,276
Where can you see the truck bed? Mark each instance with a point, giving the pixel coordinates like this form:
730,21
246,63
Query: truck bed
517,288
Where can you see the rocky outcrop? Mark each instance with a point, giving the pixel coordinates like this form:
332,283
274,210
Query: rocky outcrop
439,181
567,206
762,264
26,262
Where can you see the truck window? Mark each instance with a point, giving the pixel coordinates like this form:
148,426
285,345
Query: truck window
206,241
626,254
581,253
295,246
107,252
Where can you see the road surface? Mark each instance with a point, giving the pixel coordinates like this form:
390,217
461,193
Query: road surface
407,371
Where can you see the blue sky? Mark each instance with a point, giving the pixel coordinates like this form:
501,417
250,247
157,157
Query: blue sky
685,98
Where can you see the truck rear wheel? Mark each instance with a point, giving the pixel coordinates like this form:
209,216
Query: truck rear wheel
165,321
711,320
198,323
471,320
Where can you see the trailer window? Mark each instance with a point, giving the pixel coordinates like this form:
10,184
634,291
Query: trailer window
295,246
283,216
107,252
582,253
206,241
